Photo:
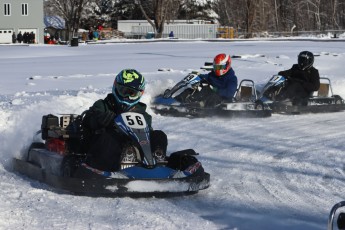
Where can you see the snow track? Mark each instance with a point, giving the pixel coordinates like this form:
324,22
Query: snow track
282,172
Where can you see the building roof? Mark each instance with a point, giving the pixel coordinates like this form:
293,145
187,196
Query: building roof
54,21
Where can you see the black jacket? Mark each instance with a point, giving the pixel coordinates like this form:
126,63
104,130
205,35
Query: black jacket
309,78
103,112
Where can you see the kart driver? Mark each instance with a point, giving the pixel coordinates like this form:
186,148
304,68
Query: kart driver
105,144
221,84
302,80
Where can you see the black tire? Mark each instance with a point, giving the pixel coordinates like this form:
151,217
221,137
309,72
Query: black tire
34,145
181,160
338,100
68,166
259,105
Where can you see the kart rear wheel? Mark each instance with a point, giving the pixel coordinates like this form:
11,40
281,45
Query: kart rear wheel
259,105
338,100
34,145
68,166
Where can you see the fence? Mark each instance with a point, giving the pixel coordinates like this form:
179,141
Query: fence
266,34
211,31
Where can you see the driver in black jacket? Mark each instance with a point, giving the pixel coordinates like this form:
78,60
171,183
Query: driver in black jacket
303,79
105,144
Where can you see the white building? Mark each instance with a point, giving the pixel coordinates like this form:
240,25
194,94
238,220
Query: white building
24,16
187,29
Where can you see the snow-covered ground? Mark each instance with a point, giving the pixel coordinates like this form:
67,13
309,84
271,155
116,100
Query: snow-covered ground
282,172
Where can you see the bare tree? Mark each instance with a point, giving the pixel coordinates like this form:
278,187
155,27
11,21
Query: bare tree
314,8
250,16
71,11
266,19
225,11
341,13
276,14
251,8
225,5
335,5
159,10
237,13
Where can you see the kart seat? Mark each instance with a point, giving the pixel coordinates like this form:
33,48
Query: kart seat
245,93
323,90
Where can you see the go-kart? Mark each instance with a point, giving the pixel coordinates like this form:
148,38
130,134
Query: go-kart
245,103
320,101
58,157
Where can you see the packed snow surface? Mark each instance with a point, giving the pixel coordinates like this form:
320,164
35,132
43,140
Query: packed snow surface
281,172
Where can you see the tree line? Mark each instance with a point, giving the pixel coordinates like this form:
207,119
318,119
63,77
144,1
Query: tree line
247,16
282,15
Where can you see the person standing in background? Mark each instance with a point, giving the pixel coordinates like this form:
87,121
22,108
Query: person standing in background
14,37
20,37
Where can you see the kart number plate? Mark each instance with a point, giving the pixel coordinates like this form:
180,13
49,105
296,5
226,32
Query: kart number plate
134,120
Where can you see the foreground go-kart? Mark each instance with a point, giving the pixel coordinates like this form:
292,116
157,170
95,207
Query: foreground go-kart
59,159
244,103
320,101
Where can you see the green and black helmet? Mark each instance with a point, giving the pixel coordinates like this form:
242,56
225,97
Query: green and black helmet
128,87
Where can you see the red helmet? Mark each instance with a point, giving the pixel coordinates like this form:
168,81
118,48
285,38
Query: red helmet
221,64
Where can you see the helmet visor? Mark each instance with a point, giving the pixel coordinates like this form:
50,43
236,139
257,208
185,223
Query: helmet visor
302,59
305,59
125,91
219,67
